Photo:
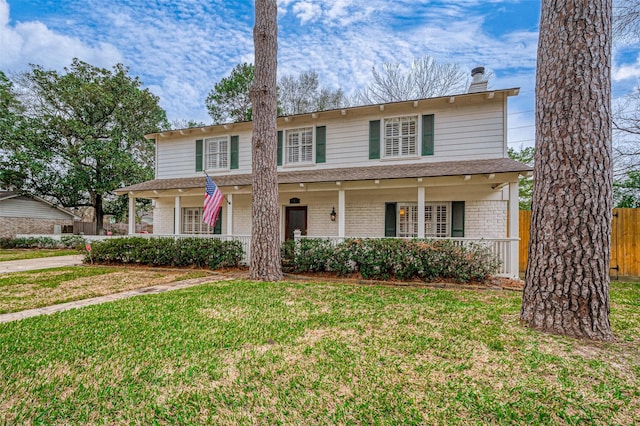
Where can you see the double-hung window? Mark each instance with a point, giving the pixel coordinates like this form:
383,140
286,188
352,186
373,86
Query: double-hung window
192,222
216,153
299,145
437,220
400,136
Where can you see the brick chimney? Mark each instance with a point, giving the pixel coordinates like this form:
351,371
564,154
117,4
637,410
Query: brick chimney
478,81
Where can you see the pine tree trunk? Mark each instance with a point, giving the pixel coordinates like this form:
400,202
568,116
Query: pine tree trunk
265,262
567,282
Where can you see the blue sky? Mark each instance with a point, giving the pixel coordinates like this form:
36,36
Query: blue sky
181,48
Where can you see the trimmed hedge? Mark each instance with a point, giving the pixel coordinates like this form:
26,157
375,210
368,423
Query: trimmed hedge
66,241
392,258
199,252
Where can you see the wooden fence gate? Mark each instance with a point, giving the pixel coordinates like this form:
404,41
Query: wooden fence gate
625,242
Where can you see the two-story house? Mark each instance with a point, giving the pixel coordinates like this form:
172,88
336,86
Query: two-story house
434,167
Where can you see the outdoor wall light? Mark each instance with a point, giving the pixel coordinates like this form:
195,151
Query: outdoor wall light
402,211
333,214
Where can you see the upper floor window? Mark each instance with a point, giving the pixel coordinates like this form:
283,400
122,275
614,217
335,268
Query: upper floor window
400,136
216,153
299,145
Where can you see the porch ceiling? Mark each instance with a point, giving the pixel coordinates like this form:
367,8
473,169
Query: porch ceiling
393,171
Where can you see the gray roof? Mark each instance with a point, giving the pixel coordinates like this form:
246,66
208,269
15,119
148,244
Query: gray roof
396,171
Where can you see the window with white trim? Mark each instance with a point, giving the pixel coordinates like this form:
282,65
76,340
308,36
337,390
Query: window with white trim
216,153
407,220
192,221
299,145
437,219
400,136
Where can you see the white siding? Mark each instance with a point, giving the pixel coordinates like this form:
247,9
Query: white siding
26,207
461,133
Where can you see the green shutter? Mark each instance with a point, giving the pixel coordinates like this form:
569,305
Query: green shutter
217,228
390,219
321,144
374,140
199,155
279,147
457,219
427,134
233,162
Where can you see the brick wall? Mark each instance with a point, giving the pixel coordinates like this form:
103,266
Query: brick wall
10,226
486,219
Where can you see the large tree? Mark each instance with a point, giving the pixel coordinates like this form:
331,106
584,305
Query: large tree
303,93
265,262
83,135
229,100
426,78
567,282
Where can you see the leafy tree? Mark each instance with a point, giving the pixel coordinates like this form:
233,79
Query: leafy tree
301,94
229,100
426,78
84,135
186,124
265,264
626,192
10,119
567,282
525,184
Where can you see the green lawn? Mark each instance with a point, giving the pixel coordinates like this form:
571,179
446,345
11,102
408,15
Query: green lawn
20,254
295,353
35,289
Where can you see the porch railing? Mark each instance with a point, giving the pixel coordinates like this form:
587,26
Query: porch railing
505,249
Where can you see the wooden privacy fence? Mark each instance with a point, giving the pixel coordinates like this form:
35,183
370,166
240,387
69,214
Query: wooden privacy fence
625,242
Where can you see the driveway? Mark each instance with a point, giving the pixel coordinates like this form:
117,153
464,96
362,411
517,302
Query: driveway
41,263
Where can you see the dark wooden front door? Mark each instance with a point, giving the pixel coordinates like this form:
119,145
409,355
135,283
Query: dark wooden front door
295,218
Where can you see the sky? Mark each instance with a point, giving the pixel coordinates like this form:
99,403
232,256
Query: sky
180,48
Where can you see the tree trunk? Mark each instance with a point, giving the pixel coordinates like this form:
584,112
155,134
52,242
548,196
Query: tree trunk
567,282
99,213
265,262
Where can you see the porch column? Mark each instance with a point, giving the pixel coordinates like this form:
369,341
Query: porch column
421,212
177,217
132,214
341,213
230,214
514,229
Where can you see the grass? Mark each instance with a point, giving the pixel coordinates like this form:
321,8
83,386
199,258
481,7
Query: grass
21,254
295,353
35,289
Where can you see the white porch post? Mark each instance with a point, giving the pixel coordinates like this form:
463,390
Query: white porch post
421,199
132,215
177,220
341,213
230,214
514,229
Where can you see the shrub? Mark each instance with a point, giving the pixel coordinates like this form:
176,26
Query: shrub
199,252
73,241
387,258
30,242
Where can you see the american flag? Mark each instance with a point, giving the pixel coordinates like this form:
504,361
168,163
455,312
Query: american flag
212,202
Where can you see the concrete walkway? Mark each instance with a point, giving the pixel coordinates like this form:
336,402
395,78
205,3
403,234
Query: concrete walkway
15,316
40,263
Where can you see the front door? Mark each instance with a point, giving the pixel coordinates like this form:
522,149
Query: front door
295,218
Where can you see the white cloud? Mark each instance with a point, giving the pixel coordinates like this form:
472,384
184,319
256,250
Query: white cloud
306,11
626,71
33,42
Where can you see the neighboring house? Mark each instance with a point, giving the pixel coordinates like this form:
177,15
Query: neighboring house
26,214
433,167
